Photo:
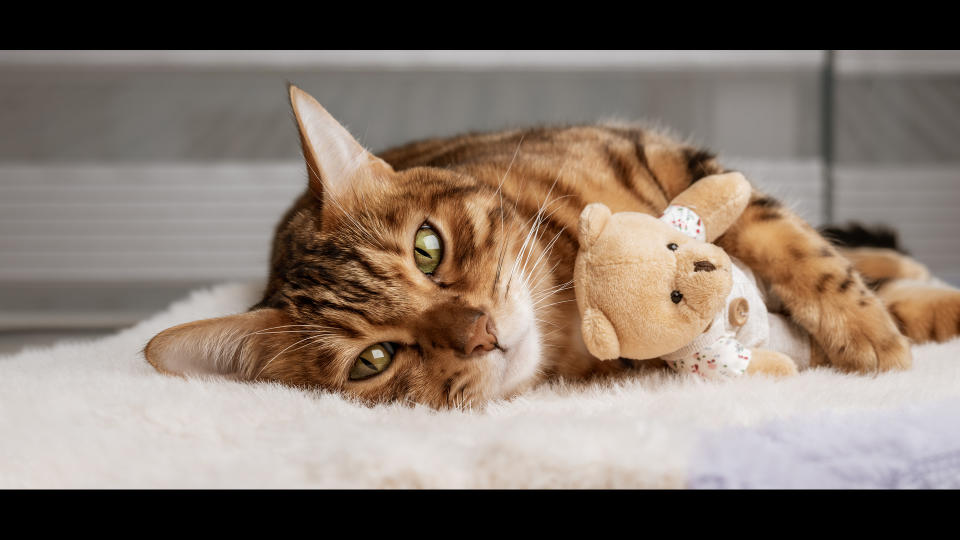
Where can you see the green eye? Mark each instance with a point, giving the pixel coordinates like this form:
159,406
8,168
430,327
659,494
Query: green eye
427,249
374,359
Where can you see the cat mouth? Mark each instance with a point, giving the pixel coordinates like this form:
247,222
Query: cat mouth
516,357
520,359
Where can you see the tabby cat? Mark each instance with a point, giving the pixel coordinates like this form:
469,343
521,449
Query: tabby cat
440,272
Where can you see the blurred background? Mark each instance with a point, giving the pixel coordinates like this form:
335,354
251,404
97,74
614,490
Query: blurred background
128,178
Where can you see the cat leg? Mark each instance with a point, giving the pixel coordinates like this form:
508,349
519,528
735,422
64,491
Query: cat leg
924,308
767,362
820,288
879,265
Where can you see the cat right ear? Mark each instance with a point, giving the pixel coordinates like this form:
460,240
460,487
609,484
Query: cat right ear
335,160
237,345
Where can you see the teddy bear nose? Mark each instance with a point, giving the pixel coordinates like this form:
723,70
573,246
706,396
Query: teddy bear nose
703,266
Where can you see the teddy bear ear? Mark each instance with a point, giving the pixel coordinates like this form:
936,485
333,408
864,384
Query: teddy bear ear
593,219
599,335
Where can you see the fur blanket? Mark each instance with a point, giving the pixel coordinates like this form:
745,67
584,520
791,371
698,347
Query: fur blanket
96,415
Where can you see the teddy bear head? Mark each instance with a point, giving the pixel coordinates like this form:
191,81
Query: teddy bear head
647,287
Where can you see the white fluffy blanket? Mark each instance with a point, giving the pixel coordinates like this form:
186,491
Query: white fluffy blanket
95,415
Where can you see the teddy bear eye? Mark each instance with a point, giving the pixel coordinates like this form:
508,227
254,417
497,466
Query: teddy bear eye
676,296
672,247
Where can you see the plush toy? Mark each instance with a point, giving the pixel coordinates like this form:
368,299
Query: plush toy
652,287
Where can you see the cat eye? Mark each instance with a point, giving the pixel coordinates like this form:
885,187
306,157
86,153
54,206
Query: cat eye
676,296
373,360
427,249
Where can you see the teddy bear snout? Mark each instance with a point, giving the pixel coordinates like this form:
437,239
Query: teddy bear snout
703,266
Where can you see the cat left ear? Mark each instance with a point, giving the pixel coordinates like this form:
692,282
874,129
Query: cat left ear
235,345
335,160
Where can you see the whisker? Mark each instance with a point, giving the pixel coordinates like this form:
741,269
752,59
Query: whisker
503,242
522,273
516,263
503,251
312,340
552,292
560,302
504,177
547,274
544,321
538,220
524,276
236,342
257,376
545,252
547,297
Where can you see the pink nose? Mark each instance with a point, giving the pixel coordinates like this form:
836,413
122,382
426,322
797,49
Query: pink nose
481,335
463,329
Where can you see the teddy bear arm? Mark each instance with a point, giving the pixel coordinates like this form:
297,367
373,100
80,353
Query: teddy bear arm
718,199
767,362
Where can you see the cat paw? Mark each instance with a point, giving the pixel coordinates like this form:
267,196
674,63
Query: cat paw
869,344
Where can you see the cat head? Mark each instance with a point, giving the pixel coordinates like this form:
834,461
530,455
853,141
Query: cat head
385,285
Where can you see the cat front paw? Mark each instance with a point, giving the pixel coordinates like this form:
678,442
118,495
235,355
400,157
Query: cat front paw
867,341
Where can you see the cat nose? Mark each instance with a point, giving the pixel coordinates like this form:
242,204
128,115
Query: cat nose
463,329
482,335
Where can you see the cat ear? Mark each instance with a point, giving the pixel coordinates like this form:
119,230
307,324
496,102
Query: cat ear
234,345
335,160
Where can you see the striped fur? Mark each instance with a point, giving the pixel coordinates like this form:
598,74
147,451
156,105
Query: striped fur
506,205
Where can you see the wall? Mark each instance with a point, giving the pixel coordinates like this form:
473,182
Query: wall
128,178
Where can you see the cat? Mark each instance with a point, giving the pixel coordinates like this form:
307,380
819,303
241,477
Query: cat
440,272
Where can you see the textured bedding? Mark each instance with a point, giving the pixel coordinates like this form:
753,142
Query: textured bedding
95,415
914,447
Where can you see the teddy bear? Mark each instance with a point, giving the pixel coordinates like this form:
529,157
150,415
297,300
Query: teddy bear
649,287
